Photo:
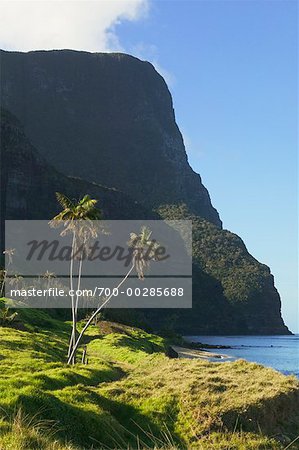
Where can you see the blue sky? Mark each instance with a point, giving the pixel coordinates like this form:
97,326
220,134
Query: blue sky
232,70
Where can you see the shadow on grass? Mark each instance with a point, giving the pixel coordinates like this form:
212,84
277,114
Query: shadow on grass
86,418
63,377
132,343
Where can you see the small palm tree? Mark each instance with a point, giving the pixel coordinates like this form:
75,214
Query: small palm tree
9,252
77,219
143,251
16,281
48,276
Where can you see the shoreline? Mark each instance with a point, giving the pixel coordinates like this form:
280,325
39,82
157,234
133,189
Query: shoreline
277,352
190,353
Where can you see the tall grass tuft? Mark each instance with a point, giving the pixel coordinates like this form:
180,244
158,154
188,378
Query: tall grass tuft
21,431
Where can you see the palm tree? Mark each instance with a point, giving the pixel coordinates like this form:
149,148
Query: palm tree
9,252
48,276
143,251
77,219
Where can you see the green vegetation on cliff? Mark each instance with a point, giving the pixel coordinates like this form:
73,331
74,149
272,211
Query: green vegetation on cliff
141,166
247,284
131,395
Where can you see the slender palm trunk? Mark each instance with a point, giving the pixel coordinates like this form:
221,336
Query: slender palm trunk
75,347
76,304
73,335
5,277
3,283
48,286
79,278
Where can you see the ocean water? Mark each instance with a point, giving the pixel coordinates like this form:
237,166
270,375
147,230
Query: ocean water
279,352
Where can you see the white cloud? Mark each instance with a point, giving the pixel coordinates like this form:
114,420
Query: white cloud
59,24
89,25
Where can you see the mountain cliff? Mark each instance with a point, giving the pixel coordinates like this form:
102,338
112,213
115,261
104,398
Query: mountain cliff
82,122
29,183
107,118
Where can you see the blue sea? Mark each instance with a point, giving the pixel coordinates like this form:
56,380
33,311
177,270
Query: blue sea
279,352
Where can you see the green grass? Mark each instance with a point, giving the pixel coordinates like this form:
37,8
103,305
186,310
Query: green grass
131,395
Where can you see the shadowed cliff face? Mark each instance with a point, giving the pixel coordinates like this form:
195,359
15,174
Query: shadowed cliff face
107,118
29,183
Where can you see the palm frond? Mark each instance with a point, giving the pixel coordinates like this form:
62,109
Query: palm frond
79,218
144,250
64,201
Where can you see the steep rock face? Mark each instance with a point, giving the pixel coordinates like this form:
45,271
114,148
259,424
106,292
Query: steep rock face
124,137
29,183
232,292
107,118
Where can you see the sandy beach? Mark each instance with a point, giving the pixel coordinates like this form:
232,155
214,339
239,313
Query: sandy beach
184,352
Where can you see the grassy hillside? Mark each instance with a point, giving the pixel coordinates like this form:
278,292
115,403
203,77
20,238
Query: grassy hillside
131,395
